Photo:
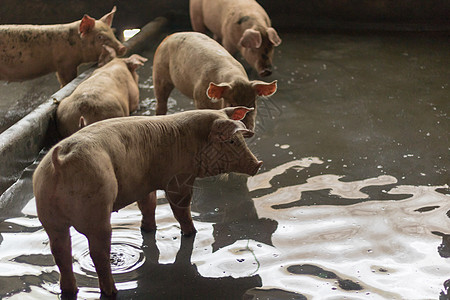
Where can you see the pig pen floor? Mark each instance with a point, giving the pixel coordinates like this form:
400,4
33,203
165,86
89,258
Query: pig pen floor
352,201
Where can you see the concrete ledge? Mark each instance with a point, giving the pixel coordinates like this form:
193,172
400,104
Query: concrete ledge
21,143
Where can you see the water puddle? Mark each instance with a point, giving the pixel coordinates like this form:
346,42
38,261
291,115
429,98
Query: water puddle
376,249
352,201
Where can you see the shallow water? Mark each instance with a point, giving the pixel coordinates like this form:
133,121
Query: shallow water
352,201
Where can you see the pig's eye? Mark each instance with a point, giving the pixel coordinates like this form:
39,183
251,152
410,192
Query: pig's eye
100,37
231,142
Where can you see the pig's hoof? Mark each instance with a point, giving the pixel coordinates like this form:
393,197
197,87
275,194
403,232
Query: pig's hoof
110,296
265,73
69,295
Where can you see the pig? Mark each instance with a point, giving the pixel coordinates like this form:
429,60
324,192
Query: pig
111,91
30,51
112,163
240,25
202,69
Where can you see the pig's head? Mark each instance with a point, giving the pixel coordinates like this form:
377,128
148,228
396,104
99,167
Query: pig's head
257,47
226,150
107,55
242,93
133,63
96,33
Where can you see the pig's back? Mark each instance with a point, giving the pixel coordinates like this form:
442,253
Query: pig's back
139,150
195,57
121,137
136,133
221,14
125,143
27,51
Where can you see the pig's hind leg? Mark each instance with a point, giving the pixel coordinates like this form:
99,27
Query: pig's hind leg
163,88
61,248
148,207
100,249
94,221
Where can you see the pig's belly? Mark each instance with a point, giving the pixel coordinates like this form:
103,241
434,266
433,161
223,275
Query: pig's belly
129,196
184,86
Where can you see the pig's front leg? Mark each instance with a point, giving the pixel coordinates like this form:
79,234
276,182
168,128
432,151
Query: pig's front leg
183,216
229,45
147,207
179,194
196,15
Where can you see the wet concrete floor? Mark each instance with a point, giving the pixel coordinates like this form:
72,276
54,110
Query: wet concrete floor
352,201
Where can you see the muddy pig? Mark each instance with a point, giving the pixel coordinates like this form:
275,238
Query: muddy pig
113,163
240,25
202,69
30,51
111,91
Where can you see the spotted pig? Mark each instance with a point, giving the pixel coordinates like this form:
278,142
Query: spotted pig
30,51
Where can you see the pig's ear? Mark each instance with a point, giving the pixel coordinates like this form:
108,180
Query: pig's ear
273,36
223,130
135,61
216,91
237,113
108,18
86,25
265,89
251,39
82,122
108,54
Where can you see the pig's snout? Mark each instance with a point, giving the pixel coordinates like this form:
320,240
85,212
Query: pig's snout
266,72
255,168
122,50
248,134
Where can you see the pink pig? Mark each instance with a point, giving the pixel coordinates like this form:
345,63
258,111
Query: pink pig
241,25
30,51
113,163
203,70
111,91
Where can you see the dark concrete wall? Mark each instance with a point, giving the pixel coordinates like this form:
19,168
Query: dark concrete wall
130,14
364,14
285,14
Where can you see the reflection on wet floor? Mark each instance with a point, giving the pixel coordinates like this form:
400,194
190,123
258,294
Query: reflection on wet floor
344,284
385,249
352,201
